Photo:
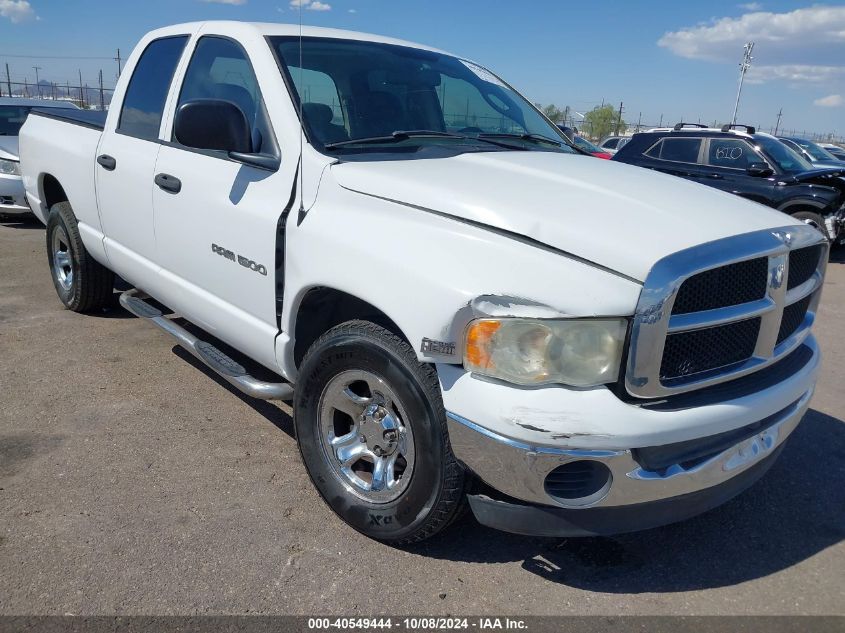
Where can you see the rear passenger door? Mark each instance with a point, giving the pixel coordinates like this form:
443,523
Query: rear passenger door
217,235
677,155
126,159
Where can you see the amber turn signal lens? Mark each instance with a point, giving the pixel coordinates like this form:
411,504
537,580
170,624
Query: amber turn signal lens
478,339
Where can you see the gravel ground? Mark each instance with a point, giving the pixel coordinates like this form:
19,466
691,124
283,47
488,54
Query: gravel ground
133,482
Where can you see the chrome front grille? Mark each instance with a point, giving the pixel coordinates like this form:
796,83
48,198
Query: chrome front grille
724,309
724,286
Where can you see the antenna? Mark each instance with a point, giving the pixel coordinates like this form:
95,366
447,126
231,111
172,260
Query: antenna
301,125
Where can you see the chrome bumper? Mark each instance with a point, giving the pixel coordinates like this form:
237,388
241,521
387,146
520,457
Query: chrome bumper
12,196
519,470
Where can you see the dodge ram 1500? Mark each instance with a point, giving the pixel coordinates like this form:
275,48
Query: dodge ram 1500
461,307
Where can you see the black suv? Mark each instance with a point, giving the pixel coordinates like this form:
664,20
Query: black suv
753,165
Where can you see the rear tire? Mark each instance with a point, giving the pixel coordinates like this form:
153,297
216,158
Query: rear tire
362,395
82,283
813,219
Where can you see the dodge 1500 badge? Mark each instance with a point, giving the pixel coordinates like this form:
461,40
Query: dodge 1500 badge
462,307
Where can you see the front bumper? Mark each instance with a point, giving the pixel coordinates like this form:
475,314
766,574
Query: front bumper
655,479
12,196
534,520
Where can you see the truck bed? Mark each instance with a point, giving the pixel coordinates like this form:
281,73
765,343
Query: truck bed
95,119
63,144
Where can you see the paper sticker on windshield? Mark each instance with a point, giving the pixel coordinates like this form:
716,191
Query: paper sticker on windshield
484,74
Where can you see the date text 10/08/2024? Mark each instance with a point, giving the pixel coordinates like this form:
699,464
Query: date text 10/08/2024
417,624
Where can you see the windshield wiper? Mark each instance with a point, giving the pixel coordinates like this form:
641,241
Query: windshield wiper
398,135
403,135
537,138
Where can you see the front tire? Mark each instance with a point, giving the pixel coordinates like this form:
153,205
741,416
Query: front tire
82,283
372,432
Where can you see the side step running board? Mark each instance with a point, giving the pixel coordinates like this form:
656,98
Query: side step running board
223,365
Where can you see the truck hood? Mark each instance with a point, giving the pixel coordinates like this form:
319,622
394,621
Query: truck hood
9,147
614,215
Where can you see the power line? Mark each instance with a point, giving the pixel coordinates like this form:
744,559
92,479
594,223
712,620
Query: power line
52,57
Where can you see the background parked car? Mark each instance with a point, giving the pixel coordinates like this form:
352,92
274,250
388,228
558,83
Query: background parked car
835,150
13,112
593,149
613,144
753,165
813,152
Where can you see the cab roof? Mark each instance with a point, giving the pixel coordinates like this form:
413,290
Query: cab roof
265,29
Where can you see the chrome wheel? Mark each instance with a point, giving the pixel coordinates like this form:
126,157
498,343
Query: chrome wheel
62,263
365,437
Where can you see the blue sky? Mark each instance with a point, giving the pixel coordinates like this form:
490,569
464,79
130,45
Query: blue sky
669,58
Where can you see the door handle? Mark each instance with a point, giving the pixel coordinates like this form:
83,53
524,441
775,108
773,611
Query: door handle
715,176
107,162
168,183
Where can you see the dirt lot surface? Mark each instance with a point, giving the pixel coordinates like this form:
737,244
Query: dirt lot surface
133,482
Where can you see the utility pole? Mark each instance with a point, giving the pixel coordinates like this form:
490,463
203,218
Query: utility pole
743,68
81,94
26,87
102,99
37,80
118,62
639,120
777,125
8,80
619,119
661,120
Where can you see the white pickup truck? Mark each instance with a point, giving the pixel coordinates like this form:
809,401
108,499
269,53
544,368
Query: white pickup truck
460,306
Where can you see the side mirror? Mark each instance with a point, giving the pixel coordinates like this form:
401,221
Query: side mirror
213,124
759,170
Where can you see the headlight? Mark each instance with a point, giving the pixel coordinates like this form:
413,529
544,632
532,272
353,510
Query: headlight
577,352
10,167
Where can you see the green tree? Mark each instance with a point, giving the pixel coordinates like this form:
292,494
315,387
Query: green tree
554,113
601,121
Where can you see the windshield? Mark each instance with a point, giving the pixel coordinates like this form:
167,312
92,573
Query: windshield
11,119
368,91
785,157
816,151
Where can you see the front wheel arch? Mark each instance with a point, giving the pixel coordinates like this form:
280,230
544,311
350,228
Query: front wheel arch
323,308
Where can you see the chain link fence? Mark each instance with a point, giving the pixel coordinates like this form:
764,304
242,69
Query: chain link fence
82,94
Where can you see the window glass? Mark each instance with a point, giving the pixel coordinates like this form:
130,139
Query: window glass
366,90
320,104
679,150
816,151
148,87
732,153
11,119
465,106
786,158
584,144
219,69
